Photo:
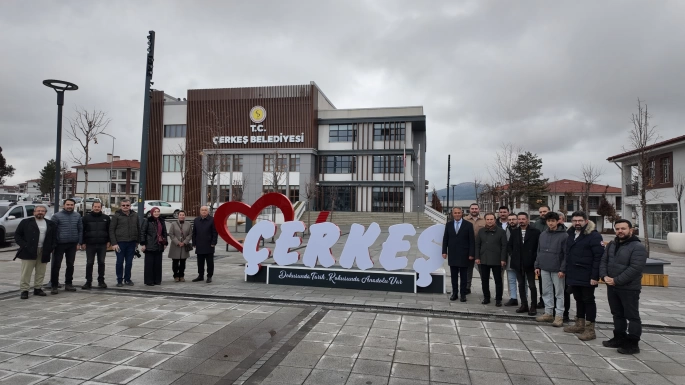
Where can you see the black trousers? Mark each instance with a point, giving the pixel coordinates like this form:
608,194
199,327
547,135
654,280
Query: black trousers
459,279
63,251
540,286
179,267
472,265
201,258
152,271
585,302
522,277
91,251
485,280
625,307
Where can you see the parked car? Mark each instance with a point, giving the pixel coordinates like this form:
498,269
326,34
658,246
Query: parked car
165,209
12,213
88,203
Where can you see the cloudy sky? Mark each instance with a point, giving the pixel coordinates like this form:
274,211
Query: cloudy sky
560,80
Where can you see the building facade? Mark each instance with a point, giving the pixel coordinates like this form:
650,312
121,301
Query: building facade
115,180
240,143
666,160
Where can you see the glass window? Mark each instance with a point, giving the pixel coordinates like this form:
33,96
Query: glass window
388,164
29,210
387,199
661,220
593,202
18,212
665,170
164,204
269,188
652,172
294,194
237,163
338,164
172,163
133,189
269,162
389,131
134,175
113,187
342,133
113,175
339,198
122,175
172,193
295,162
175,131
619,203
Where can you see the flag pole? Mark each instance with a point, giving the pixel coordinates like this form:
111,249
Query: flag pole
419,193
404,176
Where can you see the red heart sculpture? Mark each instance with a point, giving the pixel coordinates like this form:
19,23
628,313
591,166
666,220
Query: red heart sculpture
225,210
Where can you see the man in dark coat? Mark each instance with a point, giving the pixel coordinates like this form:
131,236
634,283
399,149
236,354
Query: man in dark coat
523,244
491,254
584,250
458,247
95,242
69,232
621,269
37,239
204,240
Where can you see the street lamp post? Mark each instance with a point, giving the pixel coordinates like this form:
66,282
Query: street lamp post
59,86
111,164
451,207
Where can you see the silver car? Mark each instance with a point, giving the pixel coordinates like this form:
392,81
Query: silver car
12,213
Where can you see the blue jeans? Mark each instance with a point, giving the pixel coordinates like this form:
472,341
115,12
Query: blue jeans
511,279
125,253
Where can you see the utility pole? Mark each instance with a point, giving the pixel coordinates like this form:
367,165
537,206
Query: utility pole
448,182
146,122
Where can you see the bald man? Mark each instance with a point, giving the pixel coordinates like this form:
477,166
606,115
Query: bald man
204,240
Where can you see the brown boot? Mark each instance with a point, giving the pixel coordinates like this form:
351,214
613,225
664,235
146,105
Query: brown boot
589,332
545,318
578,327
558,321
523,308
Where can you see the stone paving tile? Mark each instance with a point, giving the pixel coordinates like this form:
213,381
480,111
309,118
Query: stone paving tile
61,381
22,379
21,363
86,370
157,377
116,356
328,377
409,371
488,378
335,363
121,374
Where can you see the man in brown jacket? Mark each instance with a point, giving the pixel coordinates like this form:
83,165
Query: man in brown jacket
478,223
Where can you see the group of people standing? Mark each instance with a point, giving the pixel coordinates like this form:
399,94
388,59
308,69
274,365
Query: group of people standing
564,260
58,239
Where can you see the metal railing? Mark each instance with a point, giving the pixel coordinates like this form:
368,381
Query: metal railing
435,215
631,189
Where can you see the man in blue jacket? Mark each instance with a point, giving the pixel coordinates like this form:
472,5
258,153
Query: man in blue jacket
584,249
69,239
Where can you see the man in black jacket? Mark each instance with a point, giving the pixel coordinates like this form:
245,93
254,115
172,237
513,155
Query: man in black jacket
523,245
37,239
95,242
621,269
204,240
458,247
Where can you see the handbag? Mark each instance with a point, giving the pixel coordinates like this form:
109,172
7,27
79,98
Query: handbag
188,246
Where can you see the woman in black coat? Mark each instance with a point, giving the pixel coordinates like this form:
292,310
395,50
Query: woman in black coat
153,241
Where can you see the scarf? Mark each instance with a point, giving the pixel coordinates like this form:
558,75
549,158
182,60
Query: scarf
160,238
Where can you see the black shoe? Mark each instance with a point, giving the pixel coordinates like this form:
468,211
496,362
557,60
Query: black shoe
149,284
498,303
102,285
523,309
454,297
87,286
566,318
24,295
39,292
532,310
512,302
53,291
468,291
630,345
128,283
541,305
198,279
463,299
209,279
615,342
119,284
485,301
69,287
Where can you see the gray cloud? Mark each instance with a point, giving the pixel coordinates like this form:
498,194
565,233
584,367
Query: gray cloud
560,80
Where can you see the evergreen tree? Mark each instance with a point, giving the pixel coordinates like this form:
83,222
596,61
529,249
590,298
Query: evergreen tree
605,210
435,201
528,180
6,170
46,184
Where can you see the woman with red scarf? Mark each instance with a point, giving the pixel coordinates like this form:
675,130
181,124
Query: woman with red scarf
153,241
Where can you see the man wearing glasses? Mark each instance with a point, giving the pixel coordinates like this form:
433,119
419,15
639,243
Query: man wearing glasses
124,231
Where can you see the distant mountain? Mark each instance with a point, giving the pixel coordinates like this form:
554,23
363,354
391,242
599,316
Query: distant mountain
462,191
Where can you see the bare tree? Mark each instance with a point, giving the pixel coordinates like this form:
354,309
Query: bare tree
552,189
642,137
477,185
237,192
678,189
503,174
333,197
590,175
311,191
277,169
84,129
213,163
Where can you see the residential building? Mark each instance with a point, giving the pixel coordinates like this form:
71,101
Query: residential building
116,178
9,189
666,161
30,187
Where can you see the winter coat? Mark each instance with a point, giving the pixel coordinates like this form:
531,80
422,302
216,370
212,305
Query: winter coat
491,246
509,230
583,255
204,235
624,262
96,228
524,252
459,246
148,234
26,236
124,228
178,234
69,227
540,224
477,224
552,250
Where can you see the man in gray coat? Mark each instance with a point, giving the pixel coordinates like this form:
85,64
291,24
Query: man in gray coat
491,254
621,269
69,239
551,266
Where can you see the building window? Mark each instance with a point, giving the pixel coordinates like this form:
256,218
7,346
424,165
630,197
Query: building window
387,199
652,172
122,175
267,188
113,187
665,170
134,175
561,202
342,133
619,203
661,220
280,159
295,163
171,193
389,131
237,163
172,163
175,131
219,162
388,164
339,198
593,203
294,194
338,164
113,174
133,189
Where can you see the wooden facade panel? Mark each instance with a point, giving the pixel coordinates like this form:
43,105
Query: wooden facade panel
153,185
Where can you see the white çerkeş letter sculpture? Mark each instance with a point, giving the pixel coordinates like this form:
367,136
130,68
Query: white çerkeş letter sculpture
395,244
288,240
430,244
357,246
254,257
323,236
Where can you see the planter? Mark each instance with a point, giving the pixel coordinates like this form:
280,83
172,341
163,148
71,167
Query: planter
676,242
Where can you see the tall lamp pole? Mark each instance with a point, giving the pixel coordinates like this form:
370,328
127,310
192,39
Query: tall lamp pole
453,196
111,164
59,86
146,122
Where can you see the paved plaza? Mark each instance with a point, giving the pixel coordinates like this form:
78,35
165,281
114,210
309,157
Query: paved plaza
232,331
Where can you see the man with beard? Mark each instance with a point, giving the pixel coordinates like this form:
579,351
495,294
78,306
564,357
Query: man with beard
503,220
95,242
584,251
524,250
491,254
551,266
540,224
512,221
477,223
37,239
124,233
69,239
621,269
